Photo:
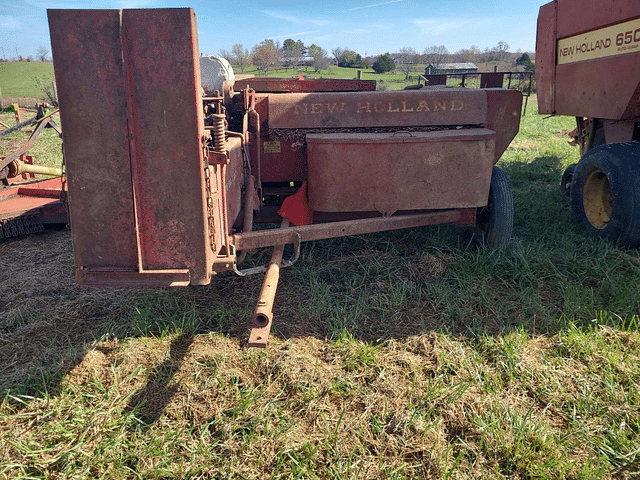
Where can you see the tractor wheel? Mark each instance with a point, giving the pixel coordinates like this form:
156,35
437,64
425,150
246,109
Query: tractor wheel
605,192
567,178
494,223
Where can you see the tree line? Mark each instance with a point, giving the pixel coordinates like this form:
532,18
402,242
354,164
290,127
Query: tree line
272,55
41,56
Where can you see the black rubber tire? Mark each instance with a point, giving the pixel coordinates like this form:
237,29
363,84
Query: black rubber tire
494,223
605,193
567,179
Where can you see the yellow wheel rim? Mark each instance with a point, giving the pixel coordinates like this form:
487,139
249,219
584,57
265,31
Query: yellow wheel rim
596,199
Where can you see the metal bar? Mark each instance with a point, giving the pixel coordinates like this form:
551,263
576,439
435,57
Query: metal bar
267,238
17,127
25,148
27,168
145,278
263,314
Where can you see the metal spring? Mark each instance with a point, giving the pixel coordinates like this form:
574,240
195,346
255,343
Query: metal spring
219,139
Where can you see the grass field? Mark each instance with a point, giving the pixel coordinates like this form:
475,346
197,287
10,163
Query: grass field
25,79
396,355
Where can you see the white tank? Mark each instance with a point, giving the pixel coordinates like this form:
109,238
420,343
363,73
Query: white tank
214,71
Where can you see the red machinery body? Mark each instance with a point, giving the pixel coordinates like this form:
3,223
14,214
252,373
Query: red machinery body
588,66
165,181
588,59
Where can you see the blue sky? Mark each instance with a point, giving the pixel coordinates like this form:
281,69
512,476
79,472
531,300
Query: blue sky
370,27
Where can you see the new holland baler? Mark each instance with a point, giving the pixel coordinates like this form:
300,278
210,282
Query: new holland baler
167,176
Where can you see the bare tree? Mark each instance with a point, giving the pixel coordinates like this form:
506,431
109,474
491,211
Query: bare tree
241,56
405,60
42,53
502,50
337,53
320,59
226,54
267,55
435,55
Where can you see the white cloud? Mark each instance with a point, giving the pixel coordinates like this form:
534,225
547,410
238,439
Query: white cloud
294,19
440,26
293,35
9,23
373,5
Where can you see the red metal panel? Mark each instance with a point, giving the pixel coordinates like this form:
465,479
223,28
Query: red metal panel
165,115
378,109
291,85
546,58
503,117
87,54
491,80
437,79
36,197
130,100
589,89
577,16
388,172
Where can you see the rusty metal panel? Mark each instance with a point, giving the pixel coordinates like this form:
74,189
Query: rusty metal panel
491,80
166,122
378,109
130,99
503,117
297,85
546,58
120,278
584,89
577,16
87,55
437,79
387,172
234,179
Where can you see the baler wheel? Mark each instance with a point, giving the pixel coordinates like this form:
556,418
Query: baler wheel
567,178
494,223
605,193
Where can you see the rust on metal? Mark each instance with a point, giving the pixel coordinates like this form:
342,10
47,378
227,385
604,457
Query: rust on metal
297,85
380,109
578,41
370,172
125,163
263,314
306,233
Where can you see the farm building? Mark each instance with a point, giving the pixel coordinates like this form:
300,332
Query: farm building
451,68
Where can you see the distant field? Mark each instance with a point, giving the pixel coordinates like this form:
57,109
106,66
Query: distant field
22,79
393,80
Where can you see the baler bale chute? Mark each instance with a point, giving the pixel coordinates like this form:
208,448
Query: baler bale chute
167,182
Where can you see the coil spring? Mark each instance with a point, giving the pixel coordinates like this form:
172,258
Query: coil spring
219,139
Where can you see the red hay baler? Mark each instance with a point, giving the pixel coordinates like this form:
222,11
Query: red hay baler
166,180
588,66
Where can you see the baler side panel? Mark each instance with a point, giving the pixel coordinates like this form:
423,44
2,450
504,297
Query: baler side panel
166,121
546,58
577,16
130,100
503,117
87,52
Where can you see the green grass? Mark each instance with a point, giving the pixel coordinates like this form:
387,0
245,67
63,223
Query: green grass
396,355
392,80
24,79
46,150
